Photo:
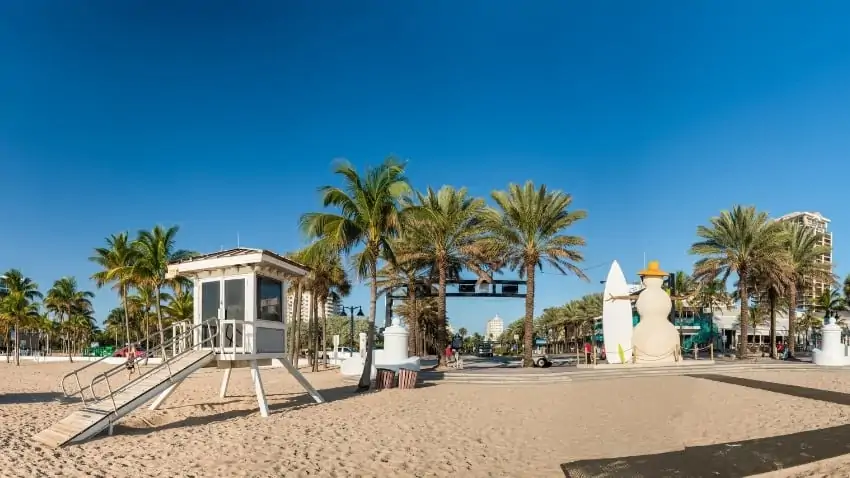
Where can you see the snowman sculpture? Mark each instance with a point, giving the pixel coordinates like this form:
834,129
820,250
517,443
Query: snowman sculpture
654,339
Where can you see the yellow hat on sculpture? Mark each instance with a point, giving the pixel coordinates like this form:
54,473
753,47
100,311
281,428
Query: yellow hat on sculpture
653,270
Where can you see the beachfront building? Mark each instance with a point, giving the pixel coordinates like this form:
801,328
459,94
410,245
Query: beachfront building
494,329
332,305
817,222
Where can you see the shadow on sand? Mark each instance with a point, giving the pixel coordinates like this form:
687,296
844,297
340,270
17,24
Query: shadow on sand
34,397
734,459
298,401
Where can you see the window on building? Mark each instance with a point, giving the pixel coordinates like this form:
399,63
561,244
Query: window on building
269,299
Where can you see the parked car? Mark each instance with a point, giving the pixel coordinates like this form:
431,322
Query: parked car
124,351
484,349
342,352
541,361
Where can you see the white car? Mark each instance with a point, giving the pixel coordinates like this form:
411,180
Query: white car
342,352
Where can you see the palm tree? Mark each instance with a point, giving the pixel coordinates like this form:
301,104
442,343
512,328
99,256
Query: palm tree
830,301
115,322
65,300
116,261
155,249
740,241
369,217
327,276
446,229
407,272
17,306
684,286
526,230
804,256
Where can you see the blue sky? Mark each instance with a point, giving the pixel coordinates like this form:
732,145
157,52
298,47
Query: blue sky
223,118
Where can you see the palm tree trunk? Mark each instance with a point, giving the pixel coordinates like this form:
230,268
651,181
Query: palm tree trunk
528,330
413,325
324,335
366,377
772,325
314,333
159,320
792,318
296,328
126,314
441,313
744,297
17,346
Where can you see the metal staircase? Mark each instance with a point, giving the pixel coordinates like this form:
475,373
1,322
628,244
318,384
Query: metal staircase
101,413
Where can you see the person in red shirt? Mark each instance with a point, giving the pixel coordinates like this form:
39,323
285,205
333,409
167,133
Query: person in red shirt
587,351
448,354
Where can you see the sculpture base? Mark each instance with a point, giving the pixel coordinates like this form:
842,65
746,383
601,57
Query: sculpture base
354,366
819,357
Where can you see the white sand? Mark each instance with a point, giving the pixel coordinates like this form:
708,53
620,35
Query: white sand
442,430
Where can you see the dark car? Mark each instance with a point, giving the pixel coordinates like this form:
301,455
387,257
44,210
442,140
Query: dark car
484,350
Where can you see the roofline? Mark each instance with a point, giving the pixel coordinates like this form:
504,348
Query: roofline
792,215
251,256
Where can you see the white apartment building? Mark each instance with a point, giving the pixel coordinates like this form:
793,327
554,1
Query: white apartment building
819,224
494,329
332,306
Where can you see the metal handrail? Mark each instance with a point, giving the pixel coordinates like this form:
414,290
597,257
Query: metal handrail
165,362
76,372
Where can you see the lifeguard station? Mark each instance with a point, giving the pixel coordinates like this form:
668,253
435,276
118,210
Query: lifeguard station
239,321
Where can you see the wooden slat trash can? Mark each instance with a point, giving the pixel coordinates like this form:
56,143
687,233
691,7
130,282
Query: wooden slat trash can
407,379
385,378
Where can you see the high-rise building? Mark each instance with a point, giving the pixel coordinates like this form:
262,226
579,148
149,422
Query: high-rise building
495,327
332,305
820,224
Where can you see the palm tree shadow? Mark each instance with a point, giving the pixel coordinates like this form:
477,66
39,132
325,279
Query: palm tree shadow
35,397
727,460
735,459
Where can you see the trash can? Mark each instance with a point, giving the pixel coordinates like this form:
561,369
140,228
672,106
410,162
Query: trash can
407,379
385,378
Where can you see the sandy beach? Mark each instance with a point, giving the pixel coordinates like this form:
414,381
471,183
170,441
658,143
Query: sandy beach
438,430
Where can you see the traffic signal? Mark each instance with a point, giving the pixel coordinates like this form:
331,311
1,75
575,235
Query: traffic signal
510,289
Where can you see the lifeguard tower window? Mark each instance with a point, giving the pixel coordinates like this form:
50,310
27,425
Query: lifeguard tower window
269,295
210,300
234,309
234,299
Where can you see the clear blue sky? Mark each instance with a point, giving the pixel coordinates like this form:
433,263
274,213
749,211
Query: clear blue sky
221,118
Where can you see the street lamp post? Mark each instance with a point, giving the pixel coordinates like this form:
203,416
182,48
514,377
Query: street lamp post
359,314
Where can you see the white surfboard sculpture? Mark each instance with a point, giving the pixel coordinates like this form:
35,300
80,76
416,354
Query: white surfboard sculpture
616,316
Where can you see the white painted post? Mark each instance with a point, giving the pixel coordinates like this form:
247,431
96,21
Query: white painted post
258,388
336,349
225,380
164,396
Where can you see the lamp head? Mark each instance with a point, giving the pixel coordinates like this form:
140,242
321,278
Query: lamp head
360,312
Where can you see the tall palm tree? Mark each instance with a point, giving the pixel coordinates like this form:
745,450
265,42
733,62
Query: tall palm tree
17,306
830,301
804,256
739,241
446,228
116,261
407,272
368,216
326,276
65,300
525,231
155,249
